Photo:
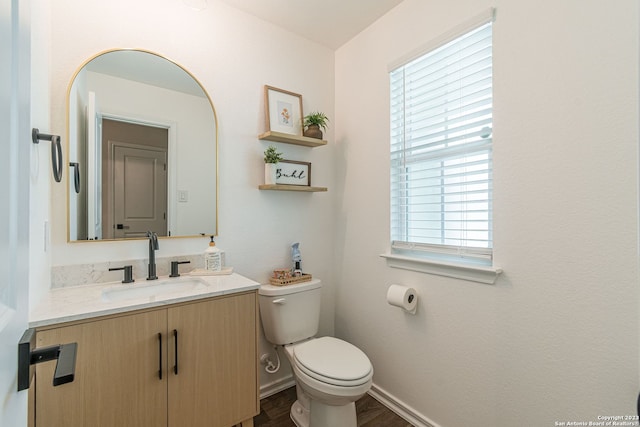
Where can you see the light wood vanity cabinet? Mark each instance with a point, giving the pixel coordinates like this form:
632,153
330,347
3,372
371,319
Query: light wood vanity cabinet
120,360
217,380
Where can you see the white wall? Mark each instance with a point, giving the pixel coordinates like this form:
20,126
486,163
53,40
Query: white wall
556,338
233,55
40,170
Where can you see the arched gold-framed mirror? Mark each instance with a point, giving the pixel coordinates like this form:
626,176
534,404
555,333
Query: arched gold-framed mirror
144,134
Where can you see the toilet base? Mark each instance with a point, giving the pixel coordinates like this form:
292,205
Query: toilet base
322,415
299,415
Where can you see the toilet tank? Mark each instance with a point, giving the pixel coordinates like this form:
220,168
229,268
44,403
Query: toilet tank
290,313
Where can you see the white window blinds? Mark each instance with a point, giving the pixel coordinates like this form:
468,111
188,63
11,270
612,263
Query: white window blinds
441,137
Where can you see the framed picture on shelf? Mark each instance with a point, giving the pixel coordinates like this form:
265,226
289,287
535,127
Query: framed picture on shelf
290,172
283,111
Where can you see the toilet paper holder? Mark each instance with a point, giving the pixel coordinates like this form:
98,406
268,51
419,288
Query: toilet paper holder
403,297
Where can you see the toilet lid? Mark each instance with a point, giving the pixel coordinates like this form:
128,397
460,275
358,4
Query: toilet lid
331,358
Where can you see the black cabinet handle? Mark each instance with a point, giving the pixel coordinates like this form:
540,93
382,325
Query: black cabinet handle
160,355
175,342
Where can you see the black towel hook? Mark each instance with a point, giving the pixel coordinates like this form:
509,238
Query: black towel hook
56,151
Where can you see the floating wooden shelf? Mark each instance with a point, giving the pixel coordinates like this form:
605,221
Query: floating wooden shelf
292,139
280,187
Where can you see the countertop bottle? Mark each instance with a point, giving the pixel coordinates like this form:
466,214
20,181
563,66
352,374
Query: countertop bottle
213,257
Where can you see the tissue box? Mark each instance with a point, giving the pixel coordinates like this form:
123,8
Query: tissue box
282,273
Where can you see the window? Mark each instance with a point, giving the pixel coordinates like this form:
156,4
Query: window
441,150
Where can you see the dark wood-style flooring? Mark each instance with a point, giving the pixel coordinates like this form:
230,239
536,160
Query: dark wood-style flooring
274,412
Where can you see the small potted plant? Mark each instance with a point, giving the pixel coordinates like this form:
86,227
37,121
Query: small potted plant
271,159
313,122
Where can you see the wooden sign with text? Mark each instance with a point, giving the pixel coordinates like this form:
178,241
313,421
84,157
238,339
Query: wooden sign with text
290,172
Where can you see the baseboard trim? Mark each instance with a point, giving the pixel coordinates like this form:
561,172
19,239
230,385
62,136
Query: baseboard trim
276,386
405,411
381,395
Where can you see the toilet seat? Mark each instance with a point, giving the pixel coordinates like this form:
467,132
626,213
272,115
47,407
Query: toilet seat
333,361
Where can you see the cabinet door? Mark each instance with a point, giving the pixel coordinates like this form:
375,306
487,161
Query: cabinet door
116,380
216,383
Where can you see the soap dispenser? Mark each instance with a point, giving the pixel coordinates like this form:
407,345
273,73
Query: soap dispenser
212,257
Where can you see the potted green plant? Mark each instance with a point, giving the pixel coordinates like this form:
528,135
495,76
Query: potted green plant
271,159
313,124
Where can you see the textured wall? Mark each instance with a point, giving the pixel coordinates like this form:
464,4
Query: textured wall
233,55
556,338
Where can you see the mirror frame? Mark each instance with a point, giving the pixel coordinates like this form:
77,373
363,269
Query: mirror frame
67,148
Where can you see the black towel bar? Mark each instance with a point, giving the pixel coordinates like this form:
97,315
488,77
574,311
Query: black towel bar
76,175
56,151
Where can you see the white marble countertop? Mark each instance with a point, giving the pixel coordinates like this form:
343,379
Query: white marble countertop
88,301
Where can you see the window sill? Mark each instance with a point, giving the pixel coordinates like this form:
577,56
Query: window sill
470,272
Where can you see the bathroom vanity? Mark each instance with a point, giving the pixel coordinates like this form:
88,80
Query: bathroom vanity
174,359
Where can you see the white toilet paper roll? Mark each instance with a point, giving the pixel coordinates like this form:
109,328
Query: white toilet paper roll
404,297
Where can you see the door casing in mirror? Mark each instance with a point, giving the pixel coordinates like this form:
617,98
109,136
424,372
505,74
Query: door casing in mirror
143,87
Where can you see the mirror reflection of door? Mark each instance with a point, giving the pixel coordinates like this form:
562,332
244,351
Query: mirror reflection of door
135,179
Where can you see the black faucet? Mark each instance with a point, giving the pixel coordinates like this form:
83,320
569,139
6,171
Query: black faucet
153,247
174,268
128,273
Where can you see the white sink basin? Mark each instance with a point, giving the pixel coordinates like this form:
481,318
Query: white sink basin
152,289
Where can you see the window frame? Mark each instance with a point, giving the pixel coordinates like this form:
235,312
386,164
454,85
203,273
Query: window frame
464,262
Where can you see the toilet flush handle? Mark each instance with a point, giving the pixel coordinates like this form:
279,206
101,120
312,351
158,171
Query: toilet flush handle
279,301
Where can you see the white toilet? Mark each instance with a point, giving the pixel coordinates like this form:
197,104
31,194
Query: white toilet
330,373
